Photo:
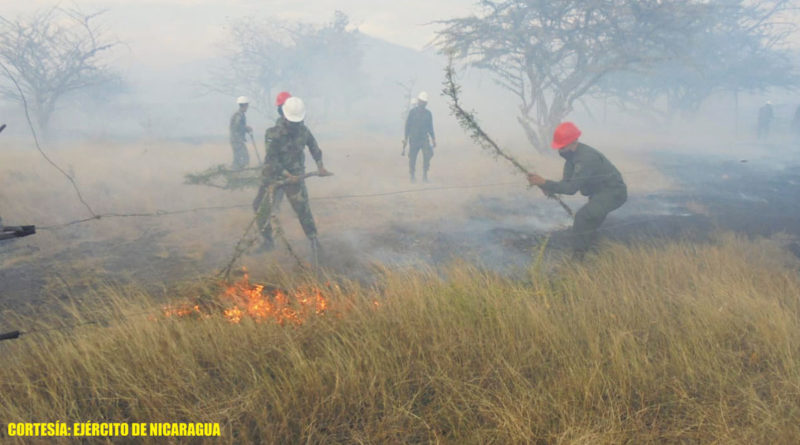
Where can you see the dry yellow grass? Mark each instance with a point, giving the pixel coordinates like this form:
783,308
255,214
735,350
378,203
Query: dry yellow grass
677,343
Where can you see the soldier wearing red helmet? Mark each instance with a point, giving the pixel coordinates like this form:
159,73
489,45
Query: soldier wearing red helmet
588,171
280,100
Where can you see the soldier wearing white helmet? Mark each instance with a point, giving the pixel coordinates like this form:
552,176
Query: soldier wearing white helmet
238,131
285,160
419,126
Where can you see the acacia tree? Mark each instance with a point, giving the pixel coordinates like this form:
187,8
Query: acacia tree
254,51
261,55
552,53
50,54
741,46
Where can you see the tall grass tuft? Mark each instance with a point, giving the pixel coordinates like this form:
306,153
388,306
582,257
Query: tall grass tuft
675,343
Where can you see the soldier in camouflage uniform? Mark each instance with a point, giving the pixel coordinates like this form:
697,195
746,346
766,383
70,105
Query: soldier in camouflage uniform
419,125
280,99
238,131
589,172
285,160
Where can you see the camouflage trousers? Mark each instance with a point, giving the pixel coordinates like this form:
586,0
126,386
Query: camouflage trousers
427,154
589,217
241,158
297,194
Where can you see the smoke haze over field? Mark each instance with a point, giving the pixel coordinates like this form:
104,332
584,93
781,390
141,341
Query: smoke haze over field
681,326
129,145
170,48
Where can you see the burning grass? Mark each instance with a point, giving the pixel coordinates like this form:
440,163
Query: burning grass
678,343
243,299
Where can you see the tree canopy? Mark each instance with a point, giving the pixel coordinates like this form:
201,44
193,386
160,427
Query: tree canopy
551,54
49,54
265,55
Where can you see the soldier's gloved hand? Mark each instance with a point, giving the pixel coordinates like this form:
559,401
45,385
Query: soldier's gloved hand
323,172
433,143
292,179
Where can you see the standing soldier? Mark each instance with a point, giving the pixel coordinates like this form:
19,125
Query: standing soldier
285,160
238,132
419,125
589,172
280,99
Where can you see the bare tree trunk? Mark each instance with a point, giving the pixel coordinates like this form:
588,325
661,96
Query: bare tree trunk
534,132
43,111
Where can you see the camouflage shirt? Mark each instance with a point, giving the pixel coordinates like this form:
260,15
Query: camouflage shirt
586,170
238,127
419,125
286,143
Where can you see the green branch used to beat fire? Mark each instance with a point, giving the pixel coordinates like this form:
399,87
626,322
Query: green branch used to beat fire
223,177
469,123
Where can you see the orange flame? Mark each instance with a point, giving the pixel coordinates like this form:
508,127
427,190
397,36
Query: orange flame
243,299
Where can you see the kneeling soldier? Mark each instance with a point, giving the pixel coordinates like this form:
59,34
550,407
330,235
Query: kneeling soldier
588,171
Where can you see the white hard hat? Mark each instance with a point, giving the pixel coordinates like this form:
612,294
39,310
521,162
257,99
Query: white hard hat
294,110
423,96
242,100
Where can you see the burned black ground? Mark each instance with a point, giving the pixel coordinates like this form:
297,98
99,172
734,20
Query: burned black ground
755,197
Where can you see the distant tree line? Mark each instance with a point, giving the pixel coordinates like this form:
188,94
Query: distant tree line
263,56
553,54
50,54
661,56
57,53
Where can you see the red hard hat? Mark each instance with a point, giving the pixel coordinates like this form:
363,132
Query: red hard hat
565,134
282,96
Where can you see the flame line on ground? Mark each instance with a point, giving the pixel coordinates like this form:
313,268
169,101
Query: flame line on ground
150,312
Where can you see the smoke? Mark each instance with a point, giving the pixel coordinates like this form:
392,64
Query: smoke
129,154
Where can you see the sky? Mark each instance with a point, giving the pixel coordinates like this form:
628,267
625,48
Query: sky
163,32
163,38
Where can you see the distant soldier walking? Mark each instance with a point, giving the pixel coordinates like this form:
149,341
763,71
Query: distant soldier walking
765,116
238,131
588,171
285,161
419,125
